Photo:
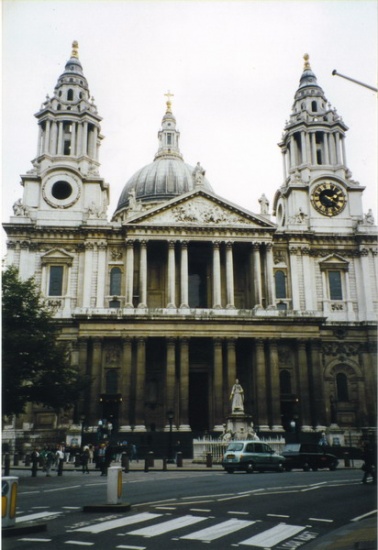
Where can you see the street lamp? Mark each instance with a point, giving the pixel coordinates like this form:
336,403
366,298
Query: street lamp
82,422
170,446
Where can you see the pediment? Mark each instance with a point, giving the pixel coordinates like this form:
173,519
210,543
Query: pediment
56,256
201,208
333,261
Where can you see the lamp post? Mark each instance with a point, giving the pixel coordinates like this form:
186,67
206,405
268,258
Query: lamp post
82,422
170,446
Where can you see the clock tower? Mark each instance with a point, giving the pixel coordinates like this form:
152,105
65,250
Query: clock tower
318,193
64,187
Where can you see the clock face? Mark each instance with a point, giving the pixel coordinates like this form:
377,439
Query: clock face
328,199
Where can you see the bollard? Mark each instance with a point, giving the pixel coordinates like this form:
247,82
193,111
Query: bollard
151,461
146,463
60,466
15,459
126,463
209,460
9,501
34,466
179,460
27,460
6,464
164,464
346,460
114,485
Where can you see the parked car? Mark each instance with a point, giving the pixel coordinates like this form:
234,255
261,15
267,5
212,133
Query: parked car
250,456
308,456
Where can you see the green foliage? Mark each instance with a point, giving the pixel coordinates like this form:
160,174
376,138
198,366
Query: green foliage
35,365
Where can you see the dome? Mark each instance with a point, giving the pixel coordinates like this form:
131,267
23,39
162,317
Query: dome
168,175
163,179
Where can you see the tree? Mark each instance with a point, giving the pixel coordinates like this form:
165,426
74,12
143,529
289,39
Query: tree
36,365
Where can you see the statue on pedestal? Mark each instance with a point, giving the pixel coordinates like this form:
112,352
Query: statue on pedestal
237,397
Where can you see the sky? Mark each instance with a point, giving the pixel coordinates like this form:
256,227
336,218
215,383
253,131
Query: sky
232,66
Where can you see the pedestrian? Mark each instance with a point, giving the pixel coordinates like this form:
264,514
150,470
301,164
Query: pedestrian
59,459
108,456
134,453
85,459
101,459
91,454
369,466
49,461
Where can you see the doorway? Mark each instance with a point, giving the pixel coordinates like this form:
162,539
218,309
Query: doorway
199,401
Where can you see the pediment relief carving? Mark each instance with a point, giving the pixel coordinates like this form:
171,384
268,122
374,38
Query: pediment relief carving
199,210
57,255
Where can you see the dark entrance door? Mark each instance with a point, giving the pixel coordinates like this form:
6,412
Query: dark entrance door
199,401
110,408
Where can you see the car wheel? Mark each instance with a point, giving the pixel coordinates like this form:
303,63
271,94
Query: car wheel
250,468
306,467
333,467
229,471
287,469
280,467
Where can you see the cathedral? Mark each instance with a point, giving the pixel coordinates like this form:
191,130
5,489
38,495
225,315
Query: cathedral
179,292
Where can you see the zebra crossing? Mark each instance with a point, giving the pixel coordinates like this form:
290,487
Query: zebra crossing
144,526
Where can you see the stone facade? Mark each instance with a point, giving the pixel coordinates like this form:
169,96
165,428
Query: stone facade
182,291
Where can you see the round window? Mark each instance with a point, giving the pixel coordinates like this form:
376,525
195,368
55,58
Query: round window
61,190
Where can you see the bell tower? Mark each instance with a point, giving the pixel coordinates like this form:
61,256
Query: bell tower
64,187
318,192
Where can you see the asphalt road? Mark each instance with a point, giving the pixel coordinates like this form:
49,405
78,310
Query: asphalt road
182,510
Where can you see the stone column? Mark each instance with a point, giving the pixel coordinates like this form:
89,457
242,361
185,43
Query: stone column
284,153
316,386
269,274
84,145
303,389
257,274
170,376
88,273
96,373
60,138
143,275
73,139
184,282
338,152
79,145
313,149
229,277
326,148
129,274
231,363
217,299
101,272
275,397
220,413
86,402
342,139
125,383
140,385
304,148
260,385
46,144
309,286
293,251
184,385
171,275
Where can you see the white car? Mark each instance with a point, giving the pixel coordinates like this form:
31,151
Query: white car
250,456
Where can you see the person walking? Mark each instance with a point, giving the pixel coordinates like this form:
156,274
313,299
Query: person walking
85,459
101,459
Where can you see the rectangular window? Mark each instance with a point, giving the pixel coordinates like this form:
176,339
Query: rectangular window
169,139
335,287
56,280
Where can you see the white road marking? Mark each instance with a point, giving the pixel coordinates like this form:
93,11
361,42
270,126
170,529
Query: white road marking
121,522
131,547
79,543
34,540
37,515
364,515
167,526
207,510
277,516
320,519
220,530
71,507
239,513
62,489
273,536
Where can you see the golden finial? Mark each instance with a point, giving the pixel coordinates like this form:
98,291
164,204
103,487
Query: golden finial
169,102
75,49
306,58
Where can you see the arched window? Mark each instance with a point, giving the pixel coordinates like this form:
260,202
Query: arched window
285,381
112,381
280,281
342,387
70,95
115,281
314,107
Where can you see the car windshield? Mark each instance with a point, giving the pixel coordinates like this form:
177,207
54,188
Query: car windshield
235,446
292,448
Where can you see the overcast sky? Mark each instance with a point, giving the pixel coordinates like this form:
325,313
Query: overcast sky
233,68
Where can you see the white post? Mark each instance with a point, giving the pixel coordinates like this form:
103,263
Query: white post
114,492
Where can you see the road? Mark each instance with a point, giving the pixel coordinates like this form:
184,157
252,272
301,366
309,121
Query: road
182,510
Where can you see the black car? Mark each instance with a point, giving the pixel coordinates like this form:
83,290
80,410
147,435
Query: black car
308,457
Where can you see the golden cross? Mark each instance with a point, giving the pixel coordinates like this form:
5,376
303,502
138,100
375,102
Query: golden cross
169,95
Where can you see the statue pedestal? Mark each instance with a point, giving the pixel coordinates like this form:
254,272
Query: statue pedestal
240,426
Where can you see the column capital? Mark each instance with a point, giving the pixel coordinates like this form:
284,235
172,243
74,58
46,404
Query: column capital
255,245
